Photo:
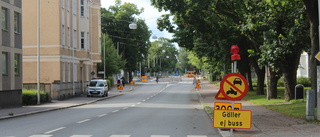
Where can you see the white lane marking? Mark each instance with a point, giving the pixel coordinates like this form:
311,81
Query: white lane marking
81,136
148,98
160,136
125,108
37,136
196,136
133,105
102,115
51,131
82,121
143,100
115,111
120,136
139,103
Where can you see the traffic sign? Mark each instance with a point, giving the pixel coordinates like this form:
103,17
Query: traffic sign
234,86
318,56
227,106
234,119
220,96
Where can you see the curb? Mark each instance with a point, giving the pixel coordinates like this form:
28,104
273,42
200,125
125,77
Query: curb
59,108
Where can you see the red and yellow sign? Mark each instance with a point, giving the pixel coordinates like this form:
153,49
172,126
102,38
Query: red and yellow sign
227,106
234,86
235,119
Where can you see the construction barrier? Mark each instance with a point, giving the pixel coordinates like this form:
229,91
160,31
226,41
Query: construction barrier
144,78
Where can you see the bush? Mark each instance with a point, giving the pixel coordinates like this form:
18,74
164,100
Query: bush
305,81
29,97
110,82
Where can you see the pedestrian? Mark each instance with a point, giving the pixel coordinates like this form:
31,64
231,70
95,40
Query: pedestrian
157,79
194,80
123,81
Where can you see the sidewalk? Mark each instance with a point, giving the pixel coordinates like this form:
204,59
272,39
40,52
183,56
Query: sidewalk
7,113
265,123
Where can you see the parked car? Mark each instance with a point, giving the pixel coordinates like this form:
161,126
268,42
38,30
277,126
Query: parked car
97,87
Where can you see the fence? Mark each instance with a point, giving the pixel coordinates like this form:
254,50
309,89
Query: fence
59,90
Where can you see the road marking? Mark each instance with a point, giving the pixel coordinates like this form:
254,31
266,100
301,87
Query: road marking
37,136
133,105
125,108
81,136
196,136
120,136
102,115
115,111
83,121
139,103
60,128
143,100
160,136
148,98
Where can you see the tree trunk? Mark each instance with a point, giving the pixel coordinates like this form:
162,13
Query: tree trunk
261,75
289,67
312,11
273,91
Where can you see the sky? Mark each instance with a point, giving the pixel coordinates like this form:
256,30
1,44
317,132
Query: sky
150,15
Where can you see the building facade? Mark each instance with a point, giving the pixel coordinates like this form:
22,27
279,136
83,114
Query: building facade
69,44
11,54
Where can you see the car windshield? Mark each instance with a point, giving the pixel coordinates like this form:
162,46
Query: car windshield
96,84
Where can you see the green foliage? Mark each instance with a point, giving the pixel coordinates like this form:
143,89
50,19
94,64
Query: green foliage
305,81
295,108
29,97
132,44
110,82
163,55
110,58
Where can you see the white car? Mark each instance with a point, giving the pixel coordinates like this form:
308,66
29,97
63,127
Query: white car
97,87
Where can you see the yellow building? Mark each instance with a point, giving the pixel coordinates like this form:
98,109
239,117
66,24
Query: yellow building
69,44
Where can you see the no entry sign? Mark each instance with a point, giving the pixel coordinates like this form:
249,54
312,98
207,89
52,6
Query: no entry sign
234,86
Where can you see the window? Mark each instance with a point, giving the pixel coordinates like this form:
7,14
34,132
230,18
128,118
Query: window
17,64
74,41
5,63
63,72
69,72
16,22
75,72
68,37
62,3
4,19
62,35
82,40
74,5
82,8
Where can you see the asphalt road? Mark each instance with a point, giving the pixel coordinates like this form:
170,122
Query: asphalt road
151,110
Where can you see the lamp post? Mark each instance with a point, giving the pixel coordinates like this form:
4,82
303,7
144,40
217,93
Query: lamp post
38,56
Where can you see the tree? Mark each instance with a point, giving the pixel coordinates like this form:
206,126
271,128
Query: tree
313,16
260,27
132,44
163,56
110,58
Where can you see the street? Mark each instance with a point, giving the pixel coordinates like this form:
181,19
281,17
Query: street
166,109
